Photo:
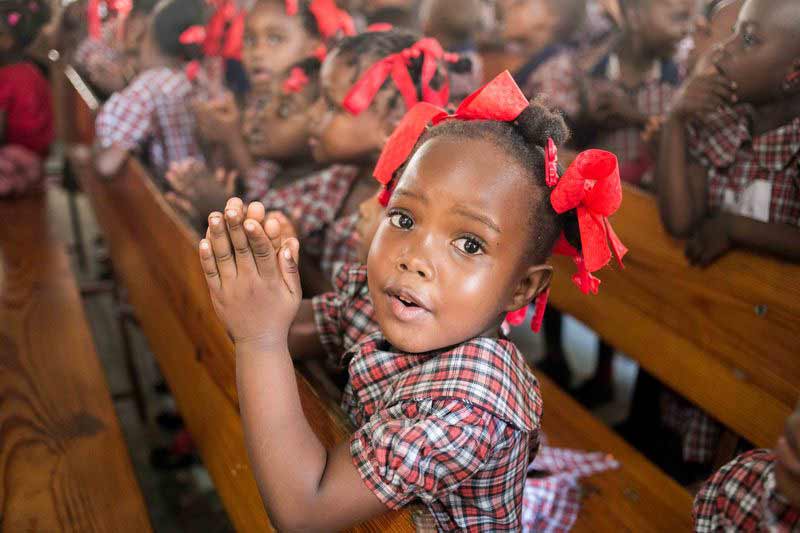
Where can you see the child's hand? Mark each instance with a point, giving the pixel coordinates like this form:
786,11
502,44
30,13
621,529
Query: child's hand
703,93
611,106
197,191
709,242
787,467
255,288
218,121
287,230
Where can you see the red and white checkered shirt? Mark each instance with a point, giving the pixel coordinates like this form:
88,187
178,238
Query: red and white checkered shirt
152,114
742,496
758,177
552,497
560,78
454,429
259,179
699,432
313,203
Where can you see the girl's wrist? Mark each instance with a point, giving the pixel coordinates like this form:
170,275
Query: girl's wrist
261,346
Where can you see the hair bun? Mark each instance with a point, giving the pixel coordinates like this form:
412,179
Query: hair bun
539,122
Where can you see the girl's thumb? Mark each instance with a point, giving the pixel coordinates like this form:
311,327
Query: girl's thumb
289,258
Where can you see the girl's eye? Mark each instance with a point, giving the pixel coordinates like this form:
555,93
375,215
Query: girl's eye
469,246
402,221
274,40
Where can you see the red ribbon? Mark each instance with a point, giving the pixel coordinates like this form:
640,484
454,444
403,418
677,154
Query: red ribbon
225,32
193,35
330,19
363,92
296,81
93,19
292,7
379,27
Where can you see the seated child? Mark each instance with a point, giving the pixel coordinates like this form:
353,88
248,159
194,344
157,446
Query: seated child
757,491
712,26
455,24
110,60
26,113
151,115
612,104
446,410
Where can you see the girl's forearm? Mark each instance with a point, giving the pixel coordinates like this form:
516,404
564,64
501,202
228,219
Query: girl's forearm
288,459
239,155
672,180
781,240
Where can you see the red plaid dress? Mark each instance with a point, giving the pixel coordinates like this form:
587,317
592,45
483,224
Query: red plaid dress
742,496
455,429
313,203
152,114
757,177
560,78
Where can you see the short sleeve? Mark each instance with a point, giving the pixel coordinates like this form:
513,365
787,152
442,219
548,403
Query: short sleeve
127,118
714,142
329,308
423,449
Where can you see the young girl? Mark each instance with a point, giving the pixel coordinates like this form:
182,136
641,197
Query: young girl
446,411
151,114
26,114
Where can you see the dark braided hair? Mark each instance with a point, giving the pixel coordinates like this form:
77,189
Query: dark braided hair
365,49
524,139
30,16
171,19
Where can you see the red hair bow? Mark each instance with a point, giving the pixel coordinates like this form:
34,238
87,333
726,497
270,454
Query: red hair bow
364,90
292,7
193,35
122,8
225,32
296,81
330,19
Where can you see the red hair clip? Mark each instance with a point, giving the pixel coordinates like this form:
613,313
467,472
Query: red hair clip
296,81
330,19
93,20
551,163
379,27
225,32
292,7
193,35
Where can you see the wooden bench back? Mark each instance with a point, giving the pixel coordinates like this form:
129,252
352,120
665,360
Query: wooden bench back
726,337
155,254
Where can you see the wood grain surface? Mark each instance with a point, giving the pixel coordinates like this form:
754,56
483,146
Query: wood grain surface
64,465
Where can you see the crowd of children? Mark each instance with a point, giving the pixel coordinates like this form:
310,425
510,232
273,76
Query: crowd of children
398,211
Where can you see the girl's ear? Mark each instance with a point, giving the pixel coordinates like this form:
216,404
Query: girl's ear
535,281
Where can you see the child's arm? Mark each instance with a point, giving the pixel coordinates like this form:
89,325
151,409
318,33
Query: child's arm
255,289
108,161
720,233
220,122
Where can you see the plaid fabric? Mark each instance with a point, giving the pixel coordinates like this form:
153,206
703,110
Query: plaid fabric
742,496
340,244
455,429
313,203
91,53
758,177
345,315
551,501
259,179
560,78
152,113
699,433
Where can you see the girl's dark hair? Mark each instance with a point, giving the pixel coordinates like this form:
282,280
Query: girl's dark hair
29,17
524,139
143,7
365,49
171,19
311,66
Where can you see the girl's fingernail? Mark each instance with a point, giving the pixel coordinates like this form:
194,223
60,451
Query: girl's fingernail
204,245
231,213
250,225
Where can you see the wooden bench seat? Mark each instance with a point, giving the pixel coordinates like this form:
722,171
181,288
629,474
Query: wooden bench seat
64,465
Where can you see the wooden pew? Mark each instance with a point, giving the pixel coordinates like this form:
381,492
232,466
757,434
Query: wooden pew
155,255
725,337
64,465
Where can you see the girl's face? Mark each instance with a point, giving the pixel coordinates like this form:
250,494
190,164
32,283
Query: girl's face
763,49
449,257
273,41
707,33
279,131
663,24
529,21
338,136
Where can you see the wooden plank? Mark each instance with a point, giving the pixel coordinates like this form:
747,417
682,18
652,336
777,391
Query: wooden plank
726,337
636,497
64,465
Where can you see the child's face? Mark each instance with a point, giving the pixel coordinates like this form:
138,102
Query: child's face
135,33
338,136
762,49
370,215
707,33
529,21
279,132
453,243
662,24
273,41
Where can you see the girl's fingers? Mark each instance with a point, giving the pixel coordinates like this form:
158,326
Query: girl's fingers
221,246
209,266
289,253
256,211
230,182
263,253
273,230
234,218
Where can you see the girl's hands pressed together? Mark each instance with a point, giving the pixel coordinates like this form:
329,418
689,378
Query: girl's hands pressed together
196,190
254,284
703,93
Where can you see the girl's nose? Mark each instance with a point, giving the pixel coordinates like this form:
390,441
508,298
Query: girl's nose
415,264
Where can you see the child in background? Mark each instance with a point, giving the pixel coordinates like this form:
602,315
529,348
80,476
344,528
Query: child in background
151,115
275,38
456,24
712,26
26,113
110,61
757,491
447,410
